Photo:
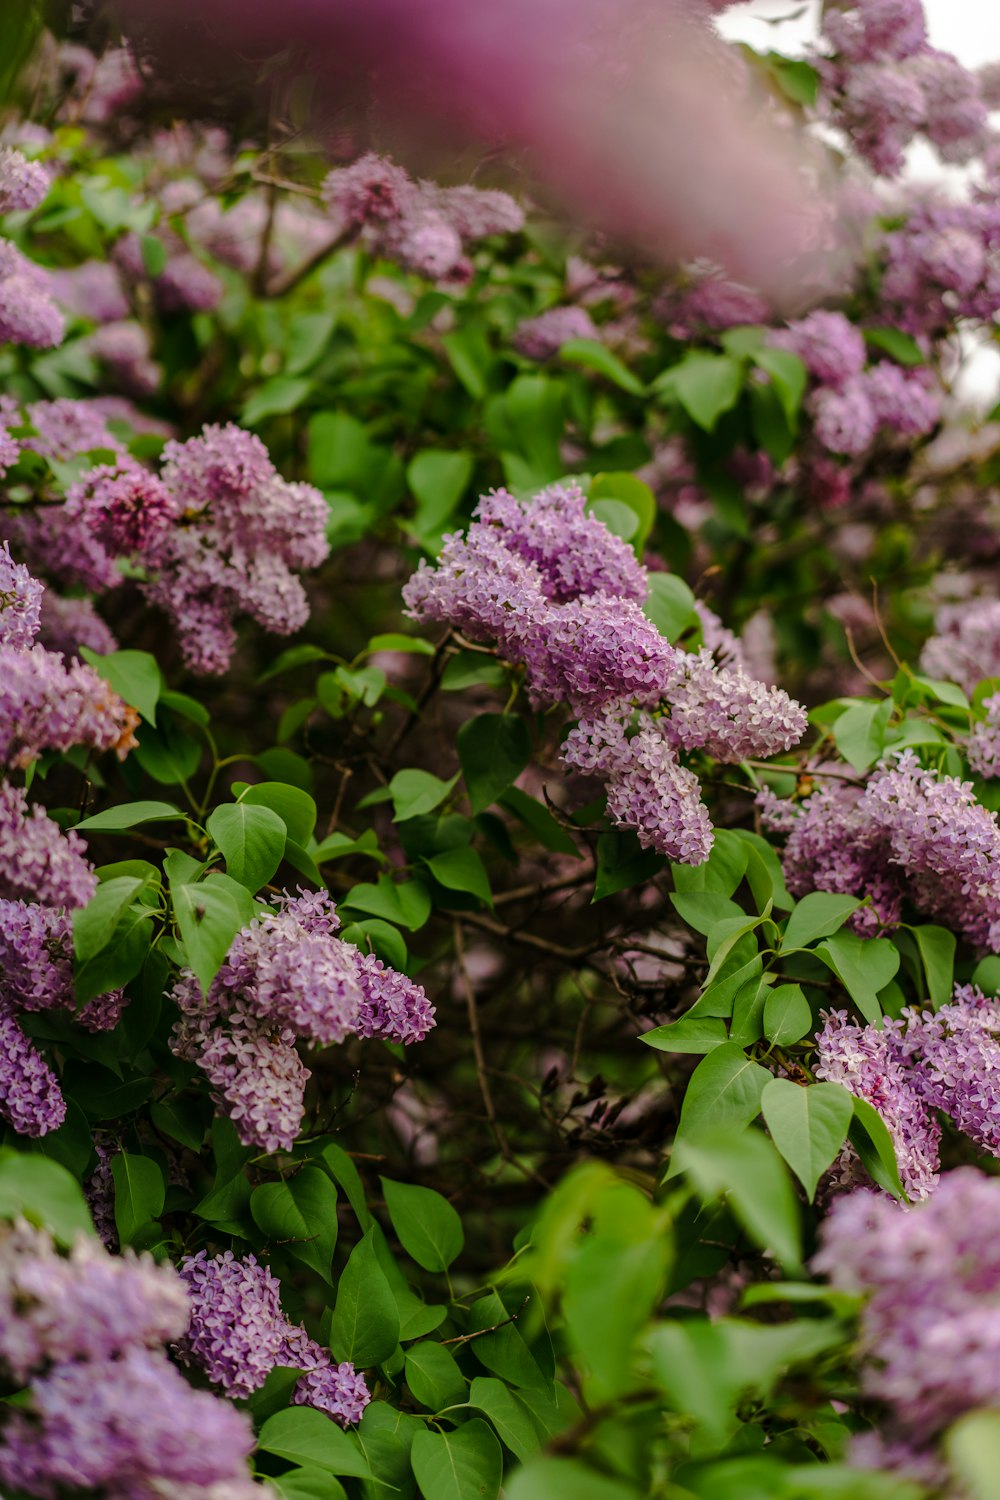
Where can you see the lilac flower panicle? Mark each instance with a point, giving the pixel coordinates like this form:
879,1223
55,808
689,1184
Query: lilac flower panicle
956,1051
966,646
246,529
124,349
287,978
237,1334
23,183
844,420
125,506
37,860
46,705
983,749
372,190
68,624
930,1333
28,315
730,714
92,290
36,950
574,551
30,1096
236,1330
596,649
828,344
476,213
20,602
542,336
872,1064
947,844
392,1005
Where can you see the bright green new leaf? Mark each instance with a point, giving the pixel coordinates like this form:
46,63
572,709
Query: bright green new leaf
743,1165
566,1479
705,384
694,1034
808,1125
788,1015
295,808
670,605
723,1091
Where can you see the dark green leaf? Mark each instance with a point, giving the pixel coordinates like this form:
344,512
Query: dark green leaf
139,1193
808,1125
43,1191
300,1214
434,1377
493,750
429,1229
134,675
466,1464
128,815
462,870
365,1326
815,916
309,1437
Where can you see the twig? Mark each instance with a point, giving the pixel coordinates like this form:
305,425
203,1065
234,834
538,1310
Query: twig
466,1338
881,628
291,280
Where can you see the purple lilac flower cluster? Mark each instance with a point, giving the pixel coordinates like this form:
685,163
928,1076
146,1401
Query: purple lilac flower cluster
966,645
874,1063
885,84
238,1334
850,404
983,749
28,314
243,529
104,1408
911,834
930,1325
551,586
946,1060
423,227
288,978
542,337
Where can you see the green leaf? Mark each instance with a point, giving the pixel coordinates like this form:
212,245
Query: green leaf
438,479
798,80
507,1413
39,1189
406,903
694,1034
139,1193
128,815
593,355
859,733
308,1484
342,1170
973,1449
622,862
788,377
308,337
808,1125
815,916
539,821
295,808
624,487
429,1229
295,656
863,965
705,384
300,1213
466,1464
306,1436
415,645
472,669
434,1377
252,840
871,1140
745,1167
670,605
493,750
901,347
937,951
724,1090
94,923
284,393
134,675
154,255
462,870
566,1479
375,936
417,792
620,519
365,1324
209,918
788,1015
